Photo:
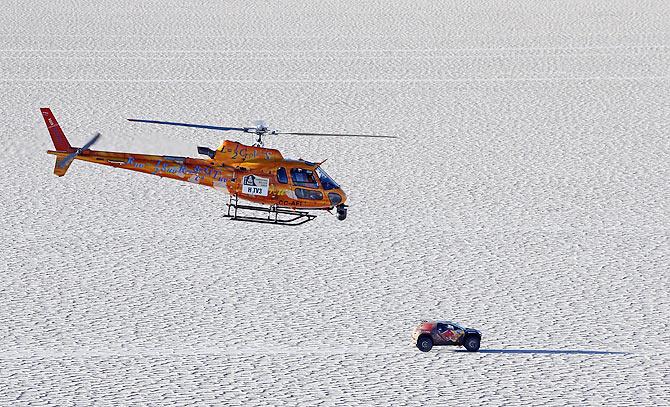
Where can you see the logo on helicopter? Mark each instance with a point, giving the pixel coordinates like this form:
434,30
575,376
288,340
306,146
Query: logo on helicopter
254,185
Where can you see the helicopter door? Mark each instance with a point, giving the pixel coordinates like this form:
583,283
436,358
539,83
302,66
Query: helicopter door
302,177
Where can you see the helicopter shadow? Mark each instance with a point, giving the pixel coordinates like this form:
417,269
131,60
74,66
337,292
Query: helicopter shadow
549,351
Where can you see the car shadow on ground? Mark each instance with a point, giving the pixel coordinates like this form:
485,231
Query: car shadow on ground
548,351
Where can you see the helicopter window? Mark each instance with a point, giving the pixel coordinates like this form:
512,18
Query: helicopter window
334,198
303,178
281,175
326,181
308,194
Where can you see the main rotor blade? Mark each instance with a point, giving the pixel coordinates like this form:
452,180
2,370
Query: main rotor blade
198,126
68,159
334,135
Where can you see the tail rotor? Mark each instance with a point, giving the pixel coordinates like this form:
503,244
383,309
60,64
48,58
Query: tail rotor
69,158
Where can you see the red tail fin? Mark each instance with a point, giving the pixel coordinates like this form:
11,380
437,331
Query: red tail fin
57,135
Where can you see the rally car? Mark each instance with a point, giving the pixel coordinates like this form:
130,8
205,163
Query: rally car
439,333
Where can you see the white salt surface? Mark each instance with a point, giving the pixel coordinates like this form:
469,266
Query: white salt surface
527,197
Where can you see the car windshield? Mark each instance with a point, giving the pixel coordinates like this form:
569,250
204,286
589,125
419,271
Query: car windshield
326,181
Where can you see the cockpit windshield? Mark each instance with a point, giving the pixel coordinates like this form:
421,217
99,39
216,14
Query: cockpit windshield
326,182
458,326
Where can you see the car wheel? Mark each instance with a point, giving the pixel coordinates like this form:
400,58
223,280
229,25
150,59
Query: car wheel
471,343
425,343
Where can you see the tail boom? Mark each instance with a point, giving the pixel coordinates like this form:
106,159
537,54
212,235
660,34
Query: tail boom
195,170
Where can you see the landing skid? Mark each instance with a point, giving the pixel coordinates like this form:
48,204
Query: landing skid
275,215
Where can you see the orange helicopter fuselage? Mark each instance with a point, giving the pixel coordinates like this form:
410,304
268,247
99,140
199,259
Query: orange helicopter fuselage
252,173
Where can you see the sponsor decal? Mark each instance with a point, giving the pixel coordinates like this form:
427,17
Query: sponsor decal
254,185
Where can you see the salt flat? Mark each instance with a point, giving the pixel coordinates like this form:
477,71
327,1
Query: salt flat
527,197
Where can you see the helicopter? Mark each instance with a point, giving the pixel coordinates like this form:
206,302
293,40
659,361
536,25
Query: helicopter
280,191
